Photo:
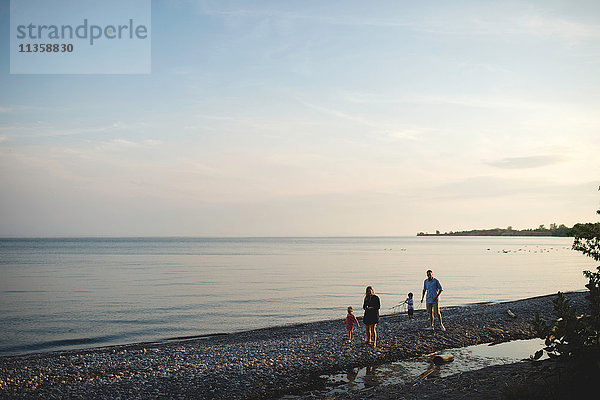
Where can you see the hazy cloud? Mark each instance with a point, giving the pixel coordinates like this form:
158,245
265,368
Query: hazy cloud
526,162
316,118
470,20
563,28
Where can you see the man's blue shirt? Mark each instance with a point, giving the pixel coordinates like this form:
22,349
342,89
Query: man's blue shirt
432,287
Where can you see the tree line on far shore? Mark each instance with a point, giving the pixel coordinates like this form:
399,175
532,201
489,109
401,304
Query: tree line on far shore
554,230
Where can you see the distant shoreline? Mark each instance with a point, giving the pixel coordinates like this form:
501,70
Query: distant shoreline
488,235
553,231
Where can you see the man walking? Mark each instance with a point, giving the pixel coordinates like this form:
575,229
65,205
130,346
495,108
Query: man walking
433,288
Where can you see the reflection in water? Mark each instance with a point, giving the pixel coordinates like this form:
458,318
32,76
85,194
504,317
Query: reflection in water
370,379
432,371
351,375
410,371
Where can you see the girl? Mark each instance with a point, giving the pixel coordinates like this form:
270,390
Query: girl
350,321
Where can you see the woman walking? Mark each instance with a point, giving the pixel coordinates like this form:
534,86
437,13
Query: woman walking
371,306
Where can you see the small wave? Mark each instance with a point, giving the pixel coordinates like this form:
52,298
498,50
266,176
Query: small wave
185,284
25,291
326,308
206,336
53,344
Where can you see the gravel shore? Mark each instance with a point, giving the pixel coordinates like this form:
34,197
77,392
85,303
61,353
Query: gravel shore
264,363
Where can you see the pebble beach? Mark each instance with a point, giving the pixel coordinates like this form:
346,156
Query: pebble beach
264,363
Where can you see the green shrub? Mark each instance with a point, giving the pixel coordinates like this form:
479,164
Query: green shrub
576,338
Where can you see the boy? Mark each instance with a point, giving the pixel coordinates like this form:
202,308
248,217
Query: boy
410,305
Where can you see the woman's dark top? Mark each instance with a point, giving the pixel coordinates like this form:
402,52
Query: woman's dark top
372,314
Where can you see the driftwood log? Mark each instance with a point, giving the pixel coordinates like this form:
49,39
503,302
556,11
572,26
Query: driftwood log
442,358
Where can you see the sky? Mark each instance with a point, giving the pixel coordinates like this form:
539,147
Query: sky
314,118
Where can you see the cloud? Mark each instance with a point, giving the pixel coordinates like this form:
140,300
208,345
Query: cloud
474,20
340,114
565,29
408,134
215,117
43,129
378,128
5,109
526,162
120,143
491,101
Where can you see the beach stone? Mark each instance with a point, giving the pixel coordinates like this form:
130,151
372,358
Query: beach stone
261,363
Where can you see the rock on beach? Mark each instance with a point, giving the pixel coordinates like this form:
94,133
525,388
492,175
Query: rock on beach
264,363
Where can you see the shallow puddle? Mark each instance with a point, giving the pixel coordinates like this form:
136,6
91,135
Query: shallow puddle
402,372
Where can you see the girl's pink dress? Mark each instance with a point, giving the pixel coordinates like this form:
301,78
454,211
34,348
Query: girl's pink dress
350,322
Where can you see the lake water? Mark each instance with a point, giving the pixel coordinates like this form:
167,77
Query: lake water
58,294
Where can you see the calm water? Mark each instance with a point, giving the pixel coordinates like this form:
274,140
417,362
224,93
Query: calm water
58,294
408,371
